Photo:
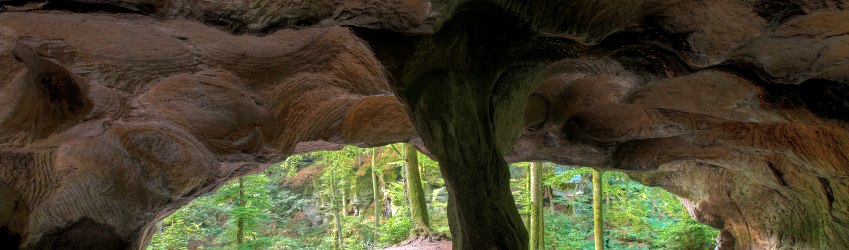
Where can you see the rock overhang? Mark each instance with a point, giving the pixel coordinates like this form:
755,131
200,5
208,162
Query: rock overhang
743,117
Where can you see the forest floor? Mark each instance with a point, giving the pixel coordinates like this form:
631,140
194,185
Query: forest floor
423,243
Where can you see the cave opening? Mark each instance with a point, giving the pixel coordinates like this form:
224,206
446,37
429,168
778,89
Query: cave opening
294,205
635,216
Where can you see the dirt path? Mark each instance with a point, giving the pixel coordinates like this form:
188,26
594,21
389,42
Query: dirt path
423,244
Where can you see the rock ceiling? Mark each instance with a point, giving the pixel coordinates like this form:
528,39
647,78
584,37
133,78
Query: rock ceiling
113,113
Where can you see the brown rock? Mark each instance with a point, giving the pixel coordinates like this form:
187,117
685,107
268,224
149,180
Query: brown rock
110,121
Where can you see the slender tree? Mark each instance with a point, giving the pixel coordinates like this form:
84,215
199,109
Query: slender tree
331,172
414,187
240,221
385,199
344,200
375,192
548,190
598,217
536,222
527,219
336,217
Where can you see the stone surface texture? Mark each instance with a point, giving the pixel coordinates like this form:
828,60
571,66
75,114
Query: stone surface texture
114,113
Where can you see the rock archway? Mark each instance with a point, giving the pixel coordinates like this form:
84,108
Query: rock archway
115,113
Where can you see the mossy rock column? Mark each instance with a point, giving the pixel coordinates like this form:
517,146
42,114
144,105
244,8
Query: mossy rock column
466,88
482,212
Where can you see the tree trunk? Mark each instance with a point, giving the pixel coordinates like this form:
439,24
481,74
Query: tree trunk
387,211
240,222
598,211
418,204
425,184
404,179
344,200
536,220
528,189
338,226
375,193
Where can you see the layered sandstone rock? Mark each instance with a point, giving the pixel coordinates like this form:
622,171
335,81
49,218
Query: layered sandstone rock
115,113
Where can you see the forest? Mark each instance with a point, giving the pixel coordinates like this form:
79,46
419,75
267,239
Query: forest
374,198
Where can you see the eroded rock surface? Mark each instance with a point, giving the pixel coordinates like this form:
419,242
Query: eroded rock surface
115,113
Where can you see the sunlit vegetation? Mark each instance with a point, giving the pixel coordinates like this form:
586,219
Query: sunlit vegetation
326,200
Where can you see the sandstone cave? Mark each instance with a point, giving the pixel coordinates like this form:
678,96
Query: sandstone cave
114,113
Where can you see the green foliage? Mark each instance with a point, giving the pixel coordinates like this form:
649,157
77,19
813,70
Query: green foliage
439,219
396,229
358,235
687,235
255,212
563,231
520,186
284,243
431,177
636,217
398,196
178,233
210,220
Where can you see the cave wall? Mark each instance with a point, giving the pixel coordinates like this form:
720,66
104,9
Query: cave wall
116,120
115,113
